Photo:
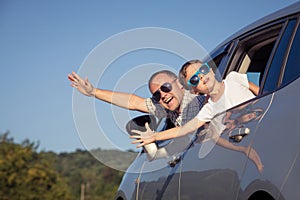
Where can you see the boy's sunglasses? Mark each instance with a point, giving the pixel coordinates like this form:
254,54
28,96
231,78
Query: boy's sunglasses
166,87
194,80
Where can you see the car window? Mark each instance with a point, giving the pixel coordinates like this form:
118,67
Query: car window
292,69
254,53
272,77
256,59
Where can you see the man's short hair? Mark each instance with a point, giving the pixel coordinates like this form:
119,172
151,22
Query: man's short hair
167,72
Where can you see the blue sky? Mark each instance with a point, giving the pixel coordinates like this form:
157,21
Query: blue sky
43,41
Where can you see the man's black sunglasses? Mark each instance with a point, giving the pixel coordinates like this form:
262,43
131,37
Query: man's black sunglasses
166,87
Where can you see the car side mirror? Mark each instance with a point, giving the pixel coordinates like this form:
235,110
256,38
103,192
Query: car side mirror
138,123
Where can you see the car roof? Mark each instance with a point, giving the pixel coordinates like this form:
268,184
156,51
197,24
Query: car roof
284,12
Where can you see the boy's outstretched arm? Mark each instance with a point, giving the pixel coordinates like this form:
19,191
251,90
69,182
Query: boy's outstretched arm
149,136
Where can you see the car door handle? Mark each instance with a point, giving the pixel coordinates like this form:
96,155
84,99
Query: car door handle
238,134
174,160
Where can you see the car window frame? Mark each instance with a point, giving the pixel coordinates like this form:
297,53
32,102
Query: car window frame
280,70
242,46
296,31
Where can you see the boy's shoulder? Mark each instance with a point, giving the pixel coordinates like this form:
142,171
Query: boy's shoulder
235,75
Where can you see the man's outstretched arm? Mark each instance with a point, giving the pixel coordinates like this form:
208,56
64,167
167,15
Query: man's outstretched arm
121,99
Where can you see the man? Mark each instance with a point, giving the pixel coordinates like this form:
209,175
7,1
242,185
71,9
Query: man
169,98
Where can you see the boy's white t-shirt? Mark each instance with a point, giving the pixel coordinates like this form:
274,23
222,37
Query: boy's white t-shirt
236,92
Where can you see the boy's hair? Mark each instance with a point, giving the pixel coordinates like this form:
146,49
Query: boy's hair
182,72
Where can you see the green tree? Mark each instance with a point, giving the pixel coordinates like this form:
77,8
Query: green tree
26,174
84,172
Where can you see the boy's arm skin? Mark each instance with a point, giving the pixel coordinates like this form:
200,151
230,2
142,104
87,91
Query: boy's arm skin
253,88
123,100
148,137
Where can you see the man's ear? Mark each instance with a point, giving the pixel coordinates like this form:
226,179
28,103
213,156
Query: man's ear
179,84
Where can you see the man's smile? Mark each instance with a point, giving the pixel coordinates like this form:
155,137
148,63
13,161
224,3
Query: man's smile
168,100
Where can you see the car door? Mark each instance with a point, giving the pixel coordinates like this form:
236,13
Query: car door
277,136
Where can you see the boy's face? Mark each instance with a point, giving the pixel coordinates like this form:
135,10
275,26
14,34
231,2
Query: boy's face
169,100
206,82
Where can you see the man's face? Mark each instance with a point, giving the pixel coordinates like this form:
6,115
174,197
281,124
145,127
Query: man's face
206,82
169,100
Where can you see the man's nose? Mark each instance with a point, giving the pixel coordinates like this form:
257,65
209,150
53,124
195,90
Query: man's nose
163,94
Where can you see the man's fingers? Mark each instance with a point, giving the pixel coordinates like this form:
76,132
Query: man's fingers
86,80
70,77
73,85
76,76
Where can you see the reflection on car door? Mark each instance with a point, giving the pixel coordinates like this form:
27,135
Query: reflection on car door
160,177
221,160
